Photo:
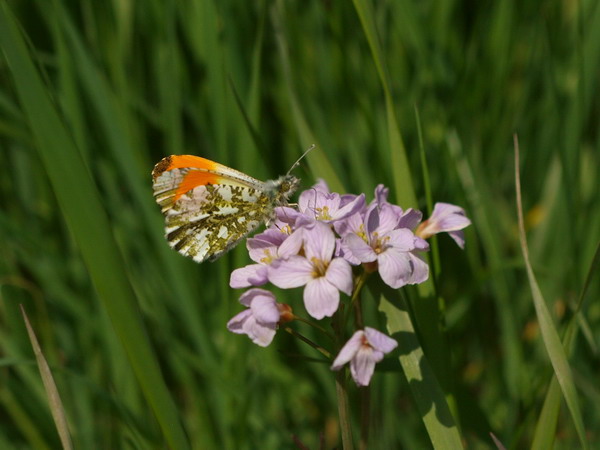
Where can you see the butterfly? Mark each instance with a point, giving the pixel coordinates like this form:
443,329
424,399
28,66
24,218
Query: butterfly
209,207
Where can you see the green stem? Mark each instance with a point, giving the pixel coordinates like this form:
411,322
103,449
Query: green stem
309,342
360,282
314,325
365,416
343,410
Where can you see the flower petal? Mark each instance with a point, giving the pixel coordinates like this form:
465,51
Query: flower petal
250,275
394,267
348,351
251,295
350,208
389,215
359,248
372,219
342,251
285,216
271,238
260,334
321,298
459,237
380,341
339,273
264,310
319,242
292,245
420,269
362,366
293,272
236,323
450,217
351,224
410,219
381,194
445,217
402,239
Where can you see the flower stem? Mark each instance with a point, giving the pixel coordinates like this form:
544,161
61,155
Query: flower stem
309,342
339,319
343,412
314,325
365,416
355,299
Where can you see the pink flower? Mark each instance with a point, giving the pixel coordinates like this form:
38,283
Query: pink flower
445,217
265,248
394,249
260,320
363,351
320,204
322,274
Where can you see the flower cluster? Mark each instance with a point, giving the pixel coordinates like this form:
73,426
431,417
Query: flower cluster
317,246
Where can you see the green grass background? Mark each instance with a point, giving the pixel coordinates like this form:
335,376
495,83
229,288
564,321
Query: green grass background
92,94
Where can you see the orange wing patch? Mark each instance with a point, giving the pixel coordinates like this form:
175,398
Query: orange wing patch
181,161
193,179
207,173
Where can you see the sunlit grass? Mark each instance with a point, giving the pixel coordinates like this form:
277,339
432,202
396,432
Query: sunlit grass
252,85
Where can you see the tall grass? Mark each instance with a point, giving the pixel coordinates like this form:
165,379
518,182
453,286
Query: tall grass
94,93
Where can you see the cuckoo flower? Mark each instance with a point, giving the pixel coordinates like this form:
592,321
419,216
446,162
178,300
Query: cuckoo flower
322,275
265,248
260,320
394,249
445,217
363,351
320,204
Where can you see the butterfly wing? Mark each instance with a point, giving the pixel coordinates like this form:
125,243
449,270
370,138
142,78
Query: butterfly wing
208,207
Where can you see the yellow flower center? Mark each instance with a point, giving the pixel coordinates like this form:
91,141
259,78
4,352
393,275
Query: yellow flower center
322,213
268,258
361,233
286,229
319,267
379,244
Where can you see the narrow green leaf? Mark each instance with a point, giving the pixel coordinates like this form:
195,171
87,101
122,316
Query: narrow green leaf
427,310
317,159
552,343
405,192
424,386
82,209
545,430
54,401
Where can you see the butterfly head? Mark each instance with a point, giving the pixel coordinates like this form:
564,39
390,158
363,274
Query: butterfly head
282,188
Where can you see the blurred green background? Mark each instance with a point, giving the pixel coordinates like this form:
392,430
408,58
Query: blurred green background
93,94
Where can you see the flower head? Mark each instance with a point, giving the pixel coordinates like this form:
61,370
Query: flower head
363,351
445,217
322,275
319,204
265,248
260,320
395,250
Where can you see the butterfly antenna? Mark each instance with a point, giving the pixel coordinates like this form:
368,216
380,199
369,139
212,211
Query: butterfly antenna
312,147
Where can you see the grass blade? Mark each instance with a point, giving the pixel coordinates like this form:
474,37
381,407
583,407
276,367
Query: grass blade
424,386
552,342
88,223
317,160
405,193
55,403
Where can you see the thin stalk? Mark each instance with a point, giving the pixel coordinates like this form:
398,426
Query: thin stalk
360,282
365,417
314,325
339,319
309,342
343,410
